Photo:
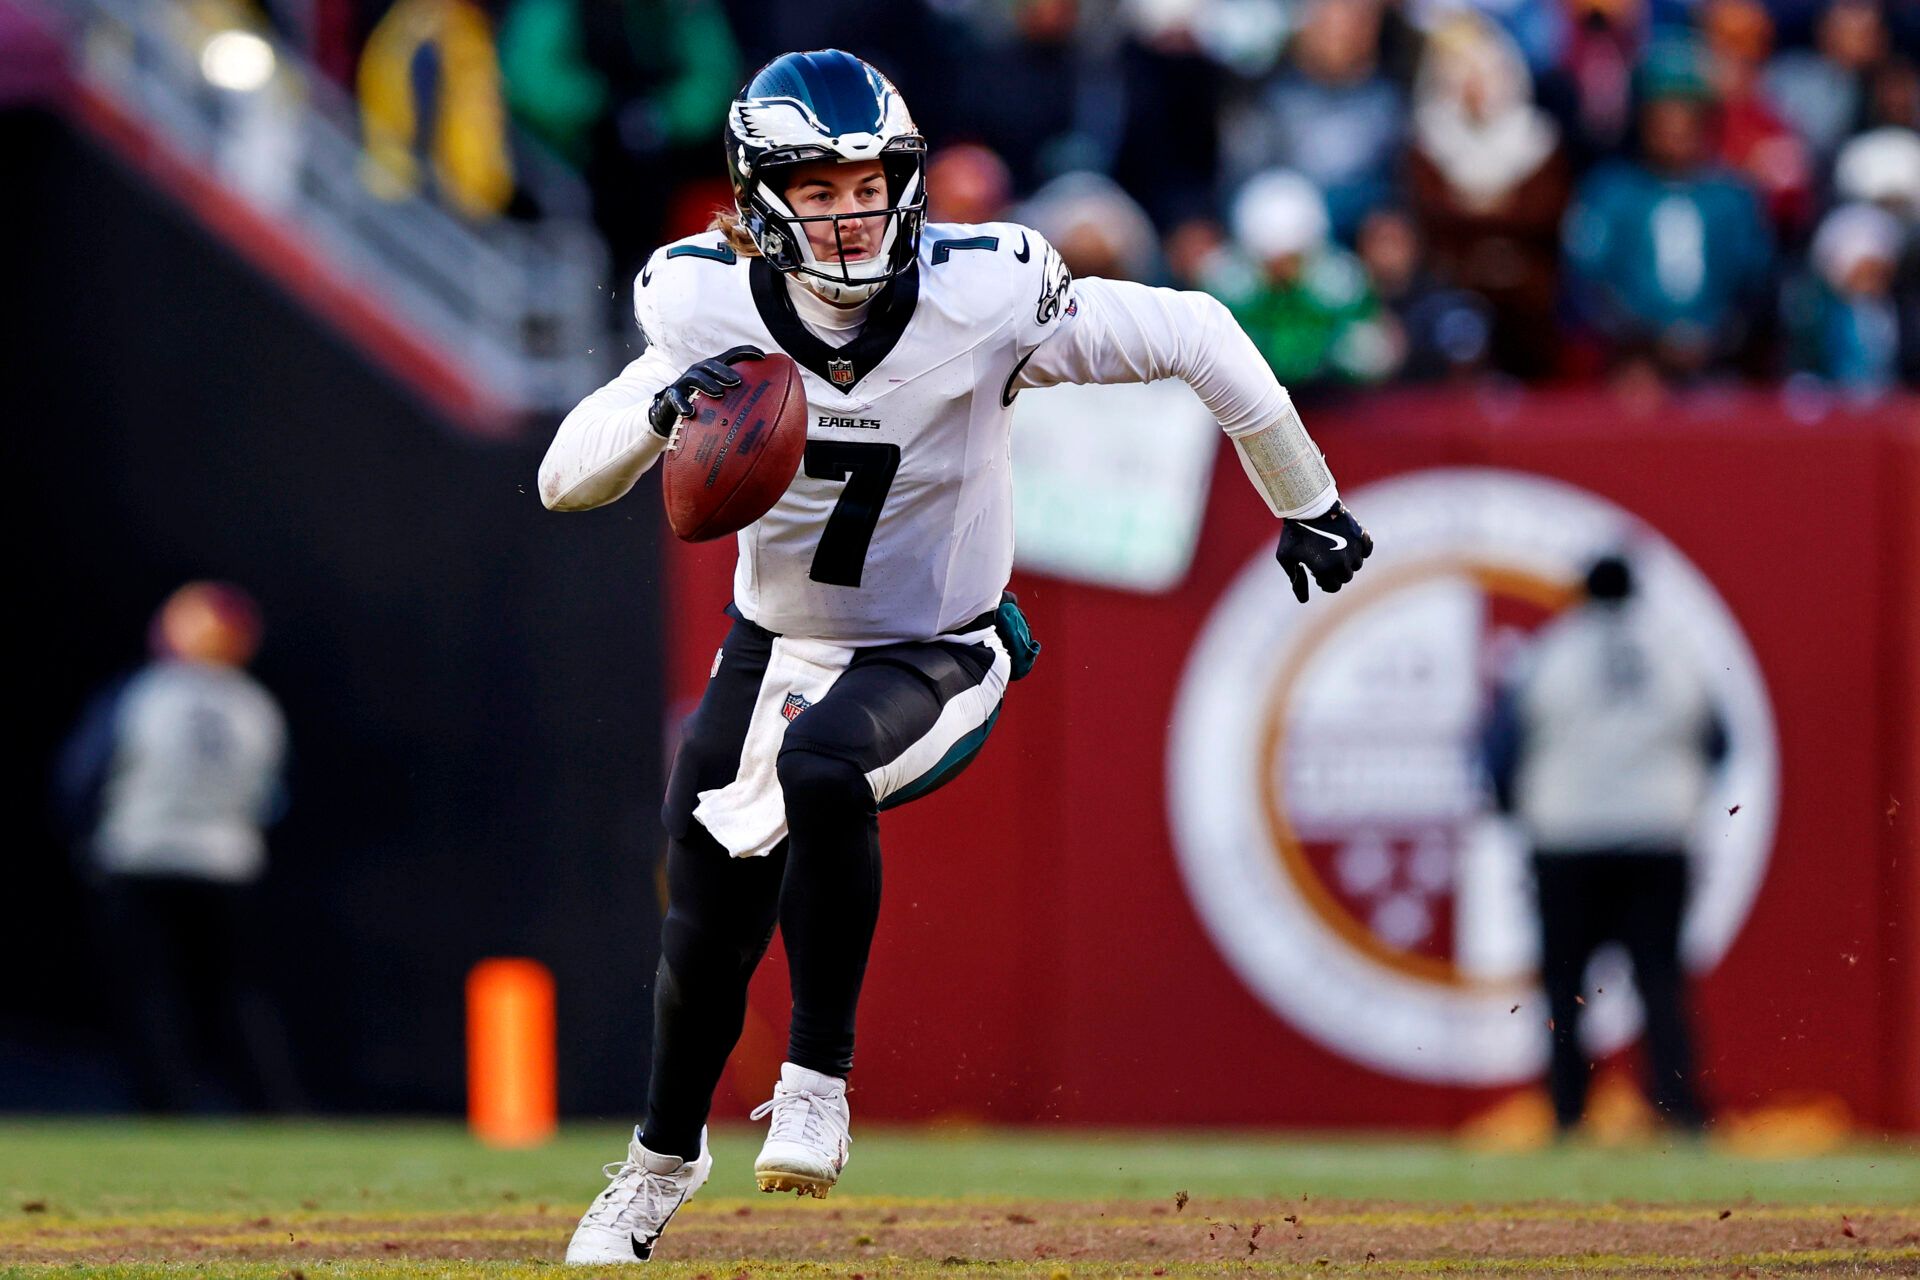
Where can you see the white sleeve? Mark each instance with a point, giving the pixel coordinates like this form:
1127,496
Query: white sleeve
1123,332
606,444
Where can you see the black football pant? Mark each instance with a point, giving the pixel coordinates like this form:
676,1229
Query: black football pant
185,960
1635,898
821,884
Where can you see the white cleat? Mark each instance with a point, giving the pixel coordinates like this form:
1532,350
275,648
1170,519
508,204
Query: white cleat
807,1146
647,1190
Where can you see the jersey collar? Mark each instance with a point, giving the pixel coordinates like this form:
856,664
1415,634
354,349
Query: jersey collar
842,368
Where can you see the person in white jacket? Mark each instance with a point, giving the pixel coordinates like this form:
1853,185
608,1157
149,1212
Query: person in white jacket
1602,747
873,638
169,782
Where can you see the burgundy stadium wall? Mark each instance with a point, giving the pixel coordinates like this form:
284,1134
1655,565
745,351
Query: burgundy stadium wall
1040,958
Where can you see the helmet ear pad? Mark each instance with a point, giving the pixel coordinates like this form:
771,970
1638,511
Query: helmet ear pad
907,190
768,219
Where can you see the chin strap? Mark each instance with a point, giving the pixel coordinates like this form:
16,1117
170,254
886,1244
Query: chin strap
817,310
836,293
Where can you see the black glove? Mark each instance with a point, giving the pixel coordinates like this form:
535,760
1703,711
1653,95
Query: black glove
1330,546
711,376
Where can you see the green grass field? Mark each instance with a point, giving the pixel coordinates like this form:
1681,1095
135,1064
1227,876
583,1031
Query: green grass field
301,1201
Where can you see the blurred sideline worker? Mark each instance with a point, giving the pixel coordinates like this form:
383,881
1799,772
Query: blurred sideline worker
873,638
430,90
1602,749
170,778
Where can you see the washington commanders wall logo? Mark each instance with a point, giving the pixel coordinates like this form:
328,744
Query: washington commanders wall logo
1324,782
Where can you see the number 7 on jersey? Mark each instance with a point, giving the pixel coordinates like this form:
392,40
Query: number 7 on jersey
868,470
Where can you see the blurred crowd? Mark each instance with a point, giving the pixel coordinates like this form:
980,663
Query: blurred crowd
1652,191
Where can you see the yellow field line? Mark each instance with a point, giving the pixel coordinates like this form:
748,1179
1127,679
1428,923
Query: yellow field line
73,1245
880,1204
862,1211
77,1238
1587,1262
1551,1264
1523,1213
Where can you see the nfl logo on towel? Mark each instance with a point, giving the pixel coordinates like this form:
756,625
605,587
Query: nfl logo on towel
795,705
841,371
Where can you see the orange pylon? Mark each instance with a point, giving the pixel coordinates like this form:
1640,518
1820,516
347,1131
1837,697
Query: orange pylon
512,1087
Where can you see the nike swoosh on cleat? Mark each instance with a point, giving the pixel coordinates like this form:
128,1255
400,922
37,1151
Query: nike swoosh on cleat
646,275
1339,543
1023,253
643,1249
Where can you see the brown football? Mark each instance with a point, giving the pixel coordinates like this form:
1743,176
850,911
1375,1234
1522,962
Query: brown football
737,454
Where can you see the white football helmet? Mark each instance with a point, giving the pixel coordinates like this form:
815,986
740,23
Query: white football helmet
825,105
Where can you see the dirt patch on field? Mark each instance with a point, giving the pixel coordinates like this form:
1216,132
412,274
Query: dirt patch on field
1178,1237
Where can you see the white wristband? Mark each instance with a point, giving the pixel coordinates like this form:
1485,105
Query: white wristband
1286,466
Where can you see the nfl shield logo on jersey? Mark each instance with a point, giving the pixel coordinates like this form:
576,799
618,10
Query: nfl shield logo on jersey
795,705
841,371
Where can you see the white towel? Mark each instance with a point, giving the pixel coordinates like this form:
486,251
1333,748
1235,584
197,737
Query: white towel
748,816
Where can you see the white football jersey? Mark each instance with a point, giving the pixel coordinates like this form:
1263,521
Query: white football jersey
899,525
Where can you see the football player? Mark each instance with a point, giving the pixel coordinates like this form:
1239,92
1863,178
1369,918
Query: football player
872,639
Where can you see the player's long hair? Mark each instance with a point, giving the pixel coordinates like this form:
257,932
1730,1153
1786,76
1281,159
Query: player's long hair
727,222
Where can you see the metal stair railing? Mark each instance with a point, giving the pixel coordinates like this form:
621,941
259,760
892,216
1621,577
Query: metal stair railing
513,304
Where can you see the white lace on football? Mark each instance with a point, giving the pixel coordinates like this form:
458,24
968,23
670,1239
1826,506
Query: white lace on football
805,1117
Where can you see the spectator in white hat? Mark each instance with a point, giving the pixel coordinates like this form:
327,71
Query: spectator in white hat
1303,300
1882,166
1844,317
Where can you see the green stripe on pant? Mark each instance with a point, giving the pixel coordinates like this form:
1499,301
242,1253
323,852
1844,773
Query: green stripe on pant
958,756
